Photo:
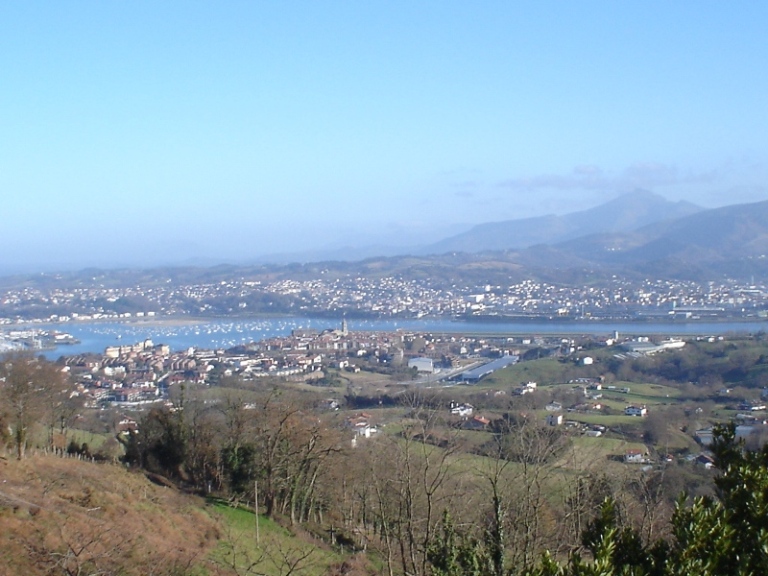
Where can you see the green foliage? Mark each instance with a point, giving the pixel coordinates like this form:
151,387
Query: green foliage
710,537
454,554
239,462
624,545
731,361
330,379
161,445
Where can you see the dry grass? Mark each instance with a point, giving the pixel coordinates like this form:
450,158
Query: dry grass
67,516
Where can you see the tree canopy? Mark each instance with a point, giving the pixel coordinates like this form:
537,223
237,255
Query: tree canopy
723,535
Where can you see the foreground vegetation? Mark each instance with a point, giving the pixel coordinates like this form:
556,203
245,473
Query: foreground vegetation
69,516
424,495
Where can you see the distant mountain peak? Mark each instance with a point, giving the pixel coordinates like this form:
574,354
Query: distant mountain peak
624,213
731,240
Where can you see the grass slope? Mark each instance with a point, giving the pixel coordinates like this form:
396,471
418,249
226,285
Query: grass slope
276,552
70,516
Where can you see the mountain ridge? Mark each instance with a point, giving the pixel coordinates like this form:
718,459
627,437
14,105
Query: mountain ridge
626,212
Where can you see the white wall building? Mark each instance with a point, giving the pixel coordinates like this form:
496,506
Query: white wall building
635,411
422,364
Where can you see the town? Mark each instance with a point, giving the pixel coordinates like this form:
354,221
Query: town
361,408
389,297
478,378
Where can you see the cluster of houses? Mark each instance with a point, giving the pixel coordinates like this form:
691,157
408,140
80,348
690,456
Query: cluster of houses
142,372
471,421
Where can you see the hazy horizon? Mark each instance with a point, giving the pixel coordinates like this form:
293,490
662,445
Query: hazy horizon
150,134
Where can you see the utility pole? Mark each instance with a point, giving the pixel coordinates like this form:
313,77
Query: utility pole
256,507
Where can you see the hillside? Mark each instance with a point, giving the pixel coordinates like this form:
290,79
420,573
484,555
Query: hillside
69,515
731,240
625,213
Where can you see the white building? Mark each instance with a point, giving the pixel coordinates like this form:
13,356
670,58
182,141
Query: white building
554,419
422,364
635,411
462,410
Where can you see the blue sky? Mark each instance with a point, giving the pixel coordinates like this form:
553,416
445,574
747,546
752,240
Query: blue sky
146,132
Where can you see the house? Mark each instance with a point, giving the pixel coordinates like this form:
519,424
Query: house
635,411
127,424
705,460
462,410
360,425
553,407
704,436
554,419
128,395
477,423
751,406
329,404
634,456
526,388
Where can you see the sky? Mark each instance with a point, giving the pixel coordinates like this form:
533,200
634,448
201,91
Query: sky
165,132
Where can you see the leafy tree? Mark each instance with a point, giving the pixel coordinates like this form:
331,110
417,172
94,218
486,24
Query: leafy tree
725,535
451,554
161,444
710,537
240,467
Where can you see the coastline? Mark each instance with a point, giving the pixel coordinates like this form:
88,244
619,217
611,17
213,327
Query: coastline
641,321
226,332
333,319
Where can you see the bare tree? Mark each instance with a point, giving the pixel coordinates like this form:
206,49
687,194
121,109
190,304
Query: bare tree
413,481
31,389
516,475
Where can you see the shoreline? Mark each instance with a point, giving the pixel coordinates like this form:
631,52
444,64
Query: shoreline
180,321
213,333
660,320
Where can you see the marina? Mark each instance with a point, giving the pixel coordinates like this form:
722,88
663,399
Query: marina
94,337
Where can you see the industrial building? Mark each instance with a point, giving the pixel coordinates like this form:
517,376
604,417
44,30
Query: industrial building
422,365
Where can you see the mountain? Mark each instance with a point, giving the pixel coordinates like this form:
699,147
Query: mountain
731,240
625,213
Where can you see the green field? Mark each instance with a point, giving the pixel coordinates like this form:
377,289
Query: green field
545,371
585,452
276,552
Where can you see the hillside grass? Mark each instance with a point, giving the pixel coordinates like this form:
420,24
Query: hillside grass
543,371
72,516
276,552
